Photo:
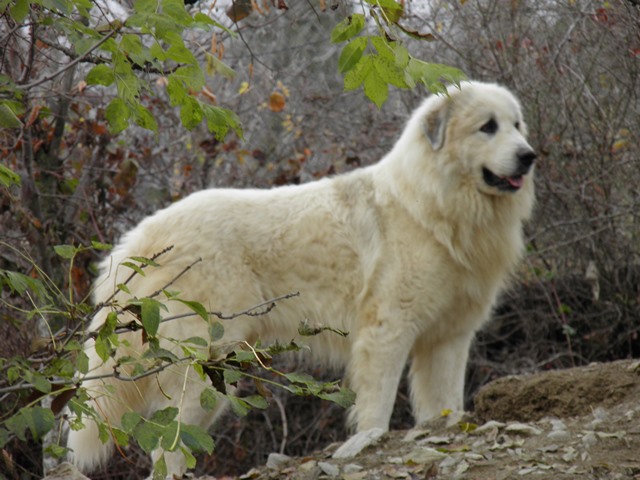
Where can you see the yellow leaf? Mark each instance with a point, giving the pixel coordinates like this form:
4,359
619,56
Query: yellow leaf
244,88
446,412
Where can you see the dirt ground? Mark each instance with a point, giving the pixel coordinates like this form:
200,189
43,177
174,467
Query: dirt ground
581,423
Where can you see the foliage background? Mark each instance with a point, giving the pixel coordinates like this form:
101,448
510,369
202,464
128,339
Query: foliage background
574,64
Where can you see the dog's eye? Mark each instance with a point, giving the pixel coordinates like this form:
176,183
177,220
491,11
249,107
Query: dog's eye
517,125
490,127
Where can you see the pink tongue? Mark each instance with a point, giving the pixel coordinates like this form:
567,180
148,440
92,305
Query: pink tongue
515,182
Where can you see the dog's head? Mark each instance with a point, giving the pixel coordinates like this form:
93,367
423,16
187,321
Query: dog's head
481,126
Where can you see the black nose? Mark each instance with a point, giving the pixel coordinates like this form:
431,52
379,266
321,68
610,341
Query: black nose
526,158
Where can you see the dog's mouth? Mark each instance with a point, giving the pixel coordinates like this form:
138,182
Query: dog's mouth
505,184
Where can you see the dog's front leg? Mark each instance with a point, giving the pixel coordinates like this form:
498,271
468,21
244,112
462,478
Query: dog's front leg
378,357
437,375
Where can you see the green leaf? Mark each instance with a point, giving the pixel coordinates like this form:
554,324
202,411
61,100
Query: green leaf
145,261
132,46
216,331
198,341
178,52
392,11
176,90
101,246
231,376
196,439
150,313
191,75
147,435
134,267
256,401
191,113
144,119
19,10
82,362
117,114
221,120
165,416
207,20
119,437
348,28
209,398
389,72
351,54
299,377
157,52
7,176
38,380
37,419
66,251
357,75
196,307
189,459
8,118
239,406
176,11
160,469
20,283
215,65
130,420
129,86
169,435
343,397
376,89
100,75
4,437
433,75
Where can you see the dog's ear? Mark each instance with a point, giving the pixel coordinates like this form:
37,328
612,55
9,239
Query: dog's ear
434,125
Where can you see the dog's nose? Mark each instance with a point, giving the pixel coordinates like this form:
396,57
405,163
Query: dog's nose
526,158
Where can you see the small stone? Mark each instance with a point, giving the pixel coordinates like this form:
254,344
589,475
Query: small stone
559,435
437,440
550,448
476,457
570,454
352,468
277,460
557,424
589,439
424,455
307,466
329,469
488,427
462,467
65,471
414,434
448,462
523,428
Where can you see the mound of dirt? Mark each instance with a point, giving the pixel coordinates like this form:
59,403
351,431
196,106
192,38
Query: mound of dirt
581,423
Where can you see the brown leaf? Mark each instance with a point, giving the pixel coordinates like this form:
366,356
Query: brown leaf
239,9
277,102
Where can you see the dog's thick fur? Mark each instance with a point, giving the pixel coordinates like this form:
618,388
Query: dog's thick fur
408,255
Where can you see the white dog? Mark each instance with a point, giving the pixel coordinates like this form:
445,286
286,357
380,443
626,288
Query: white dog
408,255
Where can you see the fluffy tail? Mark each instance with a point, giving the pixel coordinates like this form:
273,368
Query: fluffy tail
88,451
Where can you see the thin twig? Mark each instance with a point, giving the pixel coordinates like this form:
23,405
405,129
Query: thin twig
71,64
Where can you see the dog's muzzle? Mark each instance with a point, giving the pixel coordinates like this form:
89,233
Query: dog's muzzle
513,182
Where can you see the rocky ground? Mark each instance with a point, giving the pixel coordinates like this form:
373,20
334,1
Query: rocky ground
581,423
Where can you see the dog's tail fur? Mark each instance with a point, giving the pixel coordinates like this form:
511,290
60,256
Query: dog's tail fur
88,451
